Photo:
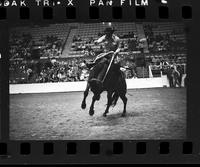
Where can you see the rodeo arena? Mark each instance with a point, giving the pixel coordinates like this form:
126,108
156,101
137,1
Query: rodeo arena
98,81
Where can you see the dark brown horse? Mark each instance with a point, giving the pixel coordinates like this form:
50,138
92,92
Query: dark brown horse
114,83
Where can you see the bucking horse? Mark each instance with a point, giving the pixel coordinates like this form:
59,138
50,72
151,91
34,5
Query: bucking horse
113,82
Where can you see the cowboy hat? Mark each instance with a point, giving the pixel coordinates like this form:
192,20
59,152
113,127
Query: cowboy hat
109,30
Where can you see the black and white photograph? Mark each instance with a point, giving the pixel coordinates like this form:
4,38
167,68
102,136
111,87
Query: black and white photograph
98,81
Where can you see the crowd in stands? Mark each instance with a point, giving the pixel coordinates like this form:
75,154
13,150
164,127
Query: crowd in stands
76,70
163,42
128,35
48,71
131,44
77,38
58,71
51,46
27,70
22,46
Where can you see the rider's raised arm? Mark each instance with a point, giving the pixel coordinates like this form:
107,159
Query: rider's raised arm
116,38
101,39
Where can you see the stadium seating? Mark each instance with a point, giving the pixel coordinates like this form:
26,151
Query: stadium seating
86,33
91,31
59,30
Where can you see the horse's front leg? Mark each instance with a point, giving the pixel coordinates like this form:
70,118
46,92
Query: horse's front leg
109,103
91,112
83,105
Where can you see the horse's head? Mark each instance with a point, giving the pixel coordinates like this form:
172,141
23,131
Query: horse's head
96,87
96,75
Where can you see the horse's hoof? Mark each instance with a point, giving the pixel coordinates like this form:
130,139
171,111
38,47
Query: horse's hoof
104,114
123,114
91,112
83,105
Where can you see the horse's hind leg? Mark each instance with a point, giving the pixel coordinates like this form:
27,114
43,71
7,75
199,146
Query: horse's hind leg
83,105
115,98
109,103
124,99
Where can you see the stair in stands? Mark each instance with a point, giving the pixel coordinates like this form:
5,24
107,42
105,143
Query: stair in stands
141,35
69,40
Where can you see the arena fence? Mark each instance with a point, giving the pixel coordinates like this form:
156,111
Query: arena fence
134,83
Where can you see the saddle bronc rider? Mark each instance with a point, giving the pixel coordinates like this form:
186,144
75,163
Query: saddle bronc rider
111,46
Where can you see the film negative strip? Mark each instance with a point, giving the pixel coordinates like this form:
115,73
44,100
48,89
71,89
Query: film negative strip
99,81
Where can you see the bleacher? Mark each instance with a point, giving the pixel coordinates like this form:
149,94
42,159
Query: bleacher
59,30
175,31
86,31
178,58
164,28
92,30
67,31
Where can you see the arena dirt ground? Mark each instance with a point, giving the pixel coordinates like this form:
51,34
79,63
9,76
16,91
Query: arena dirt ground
158,113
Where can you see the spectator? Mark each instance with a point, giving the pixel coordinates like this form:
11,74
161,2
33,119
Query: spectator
176,76
169,76
181,72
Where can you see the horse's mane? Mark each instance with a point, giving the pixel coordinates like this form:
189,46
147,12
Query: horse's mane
103,65
94,72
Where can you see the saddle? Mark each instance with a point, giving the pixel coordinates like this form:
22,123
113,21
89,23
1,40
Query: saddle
103,55
98,58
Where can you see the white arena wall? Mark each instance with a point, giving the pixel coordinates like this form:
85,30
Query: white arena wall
134,83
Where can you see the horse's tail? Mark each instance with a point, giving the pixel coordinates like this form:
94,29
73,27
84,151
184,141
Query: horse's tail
115,98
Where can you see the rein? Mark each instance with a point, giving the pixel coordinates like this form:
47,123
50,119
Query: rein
113,56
